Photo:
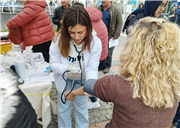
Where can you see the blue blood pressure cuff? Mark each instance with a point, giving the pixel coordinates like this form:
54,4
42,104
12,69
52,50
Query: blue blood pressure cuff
89,86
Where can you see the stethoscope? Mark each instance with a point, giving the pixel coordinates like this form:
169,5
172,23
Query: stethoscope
79,60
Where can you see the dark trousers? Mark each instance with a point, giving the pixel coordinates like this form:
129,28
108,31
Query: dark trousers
101,65
178,22
44,49
109,58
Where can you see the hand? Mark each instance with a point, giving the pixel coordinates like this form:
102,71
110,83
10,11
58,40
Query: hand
132,16
171,15
74,71
70,96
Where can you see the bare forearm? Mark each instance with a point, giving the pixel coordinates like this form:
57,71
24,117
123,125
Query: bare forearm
88,88
78,91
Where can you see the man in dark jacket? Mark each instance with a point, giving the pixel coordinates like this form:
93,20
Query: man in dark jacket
112,18
172,15
58,13
151,8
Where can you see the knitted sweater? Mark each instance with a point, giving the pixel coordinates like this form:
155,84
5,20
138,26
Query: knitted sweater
129,112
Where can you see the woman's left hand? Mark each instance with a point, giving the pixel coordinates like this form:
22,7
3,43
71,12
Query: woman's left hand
70,96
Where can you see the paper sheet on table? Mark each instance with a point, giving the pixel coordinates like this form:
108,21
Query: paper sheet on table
39,79
113,43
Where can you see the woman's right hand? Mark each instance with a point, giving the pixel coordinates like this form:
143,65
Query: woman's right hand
70,96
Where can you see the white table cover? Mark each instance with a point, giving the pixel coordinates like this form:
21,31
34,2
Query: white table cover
38,95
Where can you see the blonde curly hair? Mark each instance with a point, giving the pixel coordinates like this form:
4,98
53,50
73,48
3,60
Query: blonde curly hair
151,62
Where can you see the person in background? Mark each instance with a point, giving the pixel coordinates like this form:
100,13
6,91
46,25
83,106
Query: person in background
176,119
58,13
36,26
145,91
120,5
93,3
112,18
51,3
76,43
102,34
151,8
178,16
172,15
141,5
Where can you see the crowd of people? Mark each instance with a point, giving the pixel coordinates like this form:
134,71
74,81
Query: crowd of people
147,87
174,15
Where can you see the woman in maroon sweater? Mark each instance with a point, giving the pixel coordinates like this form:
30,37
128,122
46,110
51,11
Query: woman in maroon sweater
146,93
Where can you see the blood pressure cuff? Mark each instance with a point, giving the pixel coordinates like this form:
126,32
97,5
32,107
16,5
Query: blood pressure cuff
89,86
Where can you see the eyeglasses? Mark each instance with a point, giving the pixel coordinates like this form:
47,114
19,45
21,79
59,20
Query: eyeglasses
162,5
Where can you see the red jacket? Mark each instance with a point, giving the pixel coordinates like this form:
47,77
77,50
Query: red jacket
35,22
100,28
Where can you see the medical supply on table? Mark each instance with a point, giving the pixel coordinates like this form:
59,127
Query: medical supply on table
13,70
20,67
35,64
14,54
41,69
5,46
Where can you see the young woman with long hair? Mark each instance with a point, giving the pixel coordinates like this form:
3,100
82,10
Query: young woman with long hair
74,43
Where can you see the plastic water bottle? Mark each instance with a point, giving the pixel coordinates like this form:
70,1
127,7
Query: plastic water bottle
20,67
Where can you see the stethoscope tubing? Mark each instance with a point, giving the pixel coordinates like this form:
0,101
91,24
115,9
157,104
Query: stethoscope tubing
79,60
